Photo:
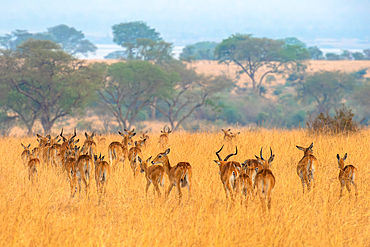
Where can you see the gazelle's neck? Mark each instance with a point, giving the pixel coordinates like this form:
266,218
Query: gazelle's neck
166,165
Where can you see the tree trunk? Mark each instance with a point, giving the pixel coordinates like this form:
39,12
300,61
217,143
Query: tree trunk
46,124
152,117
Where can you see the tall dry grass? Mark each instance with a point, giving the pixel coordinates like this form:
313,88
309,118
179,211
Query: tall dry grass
43,214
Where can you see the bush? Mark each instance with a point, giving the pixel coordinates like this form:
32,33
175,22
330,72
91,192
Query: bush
342,122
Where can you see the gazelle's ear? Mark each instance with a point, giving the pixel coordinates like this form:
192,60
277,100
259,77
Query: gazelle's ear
300,148
93,134
167,151
345,157
271,159
311,146
338,157
86,135
23,145
148,160
138,157
257,157
102,158
217,162
29,145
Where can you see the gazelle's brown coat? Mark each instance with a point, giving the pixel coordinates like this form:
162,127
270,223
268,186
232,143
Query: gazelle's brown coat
118,151
179,175
347,175
154,174
163,138
265,181
307,167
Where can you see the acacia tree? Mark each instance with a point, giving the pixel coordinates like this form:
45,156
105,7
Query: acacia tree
252,54
327,88
55,82
131,86
190,92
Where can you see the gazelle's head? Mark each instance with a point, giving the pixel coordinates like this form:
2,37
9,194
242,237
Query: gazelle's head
97,159
307,151
127,136
144,135
144,164
166,130
263,162
26,148
161,157
224,161
43,140
68,137
341,161
89,137
141,143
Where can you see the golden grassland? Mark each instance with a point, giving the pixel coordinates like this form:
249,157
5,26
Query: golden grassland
43,214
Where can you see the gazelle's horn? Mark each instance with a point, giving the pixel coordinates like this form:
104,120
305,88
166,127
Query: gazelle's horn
261,155
236,152
218,156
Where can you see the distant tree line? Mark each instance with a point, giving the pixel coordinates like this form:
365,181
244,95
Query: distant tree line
42,80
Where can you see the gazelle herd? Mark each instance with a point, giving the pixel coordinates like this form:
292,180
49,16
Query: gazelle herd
251,178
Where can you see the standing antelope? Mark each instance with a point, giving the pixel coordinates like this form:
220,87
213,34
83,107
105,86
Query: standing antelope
179,175
229,171
102,173
307,166
228,135
89,145
33,166
42,150
82,172
265,180
249,166
347,175
144,139
133,155
163,138
118,151
154,175
25,156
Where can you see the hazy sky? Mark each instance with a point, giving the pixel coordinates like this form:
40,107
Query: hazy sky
185,22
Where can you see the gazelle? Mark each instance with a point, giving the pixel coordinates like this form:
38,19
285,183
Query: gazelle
347,175
102,174
228,135
154,175
179,175
307,166
118,151
82,172
249,166
42,150
265,180
89,145
25,156
163,138
33,166
229,171
144,139
133,155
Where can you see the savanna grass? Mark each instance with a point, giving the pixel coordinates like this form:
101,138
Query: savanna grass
43,214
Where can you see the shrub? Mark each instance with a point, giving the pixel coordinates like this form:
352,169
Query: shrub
342,122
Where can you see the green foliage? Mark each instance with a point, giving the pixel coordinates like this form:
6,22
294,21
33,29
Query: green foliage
342,122
199,51
332,56
358,56
251,54
367,54
327,88
130,86
71,40
116,55
316,53
52,83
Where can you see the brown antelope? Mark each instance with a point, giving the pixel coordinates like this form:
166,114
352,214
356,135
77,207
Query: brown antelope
33,166
89,145
265,181
154,175
133,155
179,175
68,139
52,148
163,138
228,135
25,156
144,139
118,151
229,171
102,173
70,166
347,175
249,166
306,167
82,172
42,150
